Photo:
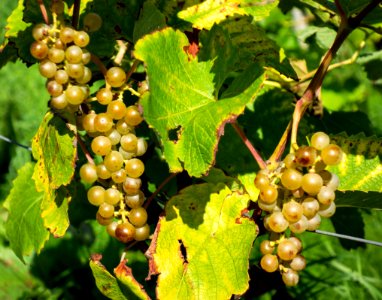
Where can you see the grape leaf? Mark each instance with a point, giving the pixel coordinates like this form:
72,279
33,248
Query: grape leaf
203,245
15,22
209,12
53,147
122,287
360,168
359,199
25,228
181,106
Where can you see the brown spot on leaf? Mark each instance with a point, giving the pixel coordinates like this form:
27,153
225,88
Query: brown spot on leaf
153,269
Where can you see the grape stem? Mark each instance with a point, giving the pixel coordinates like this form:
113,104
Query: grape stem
121,52
43,11
249,145
76,13
160,187
95,59
85,150
347,25
348,237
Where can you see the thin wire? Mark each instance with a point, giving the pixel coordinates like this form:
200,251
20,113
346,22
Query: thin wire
14,142
347,237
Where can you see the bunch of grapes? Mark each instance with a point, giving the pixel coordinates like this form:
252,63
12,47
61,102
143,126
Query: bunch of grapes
296,196
116,183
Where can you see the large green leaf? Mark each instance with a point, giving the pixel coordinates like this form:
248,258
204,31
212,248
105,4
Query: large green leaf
123,286
203,244
25,228
209,12
359,199
360,168
181,106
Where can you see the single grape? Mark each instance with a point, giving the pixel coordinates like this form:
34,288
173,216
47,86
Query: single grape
103,221
57,7
270,207
116,109
141,147
67,35
101,145
320,140
113,136
74,95
269,194
39,50
96,195
73,54
56,55
129,142
298,193
312,183
136,200
306,156
86,56
116,77
47,68
290,161
297,242
119,176
88,173
58,102
54,88
88,122
81,39
261,181
331,155
103,172
314,223
40,31
86,77
106,210
310,207
125,232
103,122
298,263
286,250
290,277
326,195
300,226
269,263
126,155
138,216
292,211
277,222
142,233
326,211
291,179
267,247
110,229
331,180
131,186
76,71
113,161
112,196
133,116
92,22
61,76
104,96
134,167
124,128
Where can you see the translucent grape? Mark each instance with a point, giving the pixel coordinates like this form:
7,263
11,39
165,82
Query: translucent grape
326,195
96,195
138,216
103,122
312,183
269,194
286,250
306,156
331,155
92,22
142,233
134,167
291,179
133,116
290,277
88,173
113,161
116,77
106,210
266,247
277,222
112,196
269,263
135,201
39,50
125,232
310,207
298,263
292,211
320,140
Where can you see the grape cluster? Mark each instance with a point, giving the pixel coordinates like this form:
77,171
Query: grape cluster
115,181
295,196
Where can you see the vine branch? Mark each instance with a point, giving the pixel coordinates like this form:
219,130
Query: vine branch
43,11
76,13
88,156
160,187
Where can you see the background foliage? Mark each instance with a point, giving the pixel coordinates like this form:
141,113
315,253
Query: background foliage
351,103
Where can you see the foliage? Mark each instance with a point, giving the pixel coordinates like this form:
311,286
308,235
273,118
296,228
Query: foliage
217,72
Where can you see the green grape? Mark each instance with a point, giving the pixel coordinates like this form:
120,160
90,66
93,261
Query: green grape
261,181
103,172
56,55
88,122
306,156
286,250
326,195
141,147
125,232
129,142
134,167
40,31
297,242
266,247
326,211
88,173
81,39
54,88
116,109
290,161
126,155
291,179
269,263
61,76
133,116
136,200
113,136
298,263
320,140
47,68
86,77
113,161
76,71
312,183
58,102
101,145
290,277
116,77
310,207
106,210
300,226
39,50
119,176
96,195
270,207
269,194
131,186
66,35
74,95
92,22
142,233
124,128
103,122
314,223
103,221
277,222
104,96
86,56
73,54
112,196
331,155
138,216
110,229
292,211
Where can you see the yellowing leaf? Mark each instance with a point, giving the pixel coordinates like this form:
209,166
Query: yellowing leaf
203,244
